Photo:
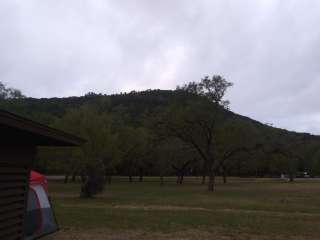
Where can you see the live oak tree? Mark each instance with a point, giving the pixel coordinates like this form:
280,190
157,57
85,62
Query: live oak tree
196,123
181,157
236,141
196,118
96,129
292,152
163,158
214,89
135,147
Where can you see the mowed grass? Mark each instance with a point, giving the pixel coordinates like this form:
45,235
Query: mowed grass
240,209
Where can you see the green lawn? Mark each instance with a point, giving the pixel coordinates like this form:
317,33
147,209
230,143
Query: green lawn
241,209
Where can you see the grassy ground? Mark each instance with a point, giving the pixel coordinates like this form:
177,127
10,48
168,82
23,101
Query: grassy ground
241,209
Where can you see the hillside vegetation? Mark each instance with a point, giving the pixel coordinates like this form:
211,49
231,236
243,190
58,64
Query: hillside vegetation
164,132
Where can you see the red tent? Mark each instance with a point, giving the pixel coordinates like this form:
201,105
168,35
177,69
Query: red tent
40,220
37,178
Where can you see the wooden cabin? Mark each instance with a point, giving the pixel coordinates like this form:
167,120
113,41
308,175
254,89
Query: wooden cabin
19,138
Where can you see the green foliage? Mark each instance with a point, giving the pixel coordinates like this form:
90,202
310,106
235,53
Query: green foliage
94,180
134,148
149,132
214,89
9,93
316,164
197,120
99,150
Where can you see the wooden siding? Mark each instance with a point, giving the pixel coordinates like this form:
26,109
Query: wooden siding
14,184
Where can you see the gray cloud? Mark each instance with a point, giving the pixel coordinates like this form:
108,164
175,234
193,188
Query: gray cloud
268,48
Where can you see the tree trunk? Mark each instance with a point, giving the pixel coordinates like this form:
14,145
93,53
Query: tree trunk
181,179
211,181
224,178
130,178
178,179
66,178
161,180
74,177
141,174
141,178
291,178
83,177
108,179
224,175
203,179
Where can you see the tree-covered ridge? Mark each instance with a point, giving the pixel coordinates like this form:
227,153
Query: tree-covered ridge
134,103
46,109
189,131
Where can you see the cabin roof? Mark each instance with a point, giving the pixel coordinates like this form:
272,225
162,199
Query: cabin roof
17,130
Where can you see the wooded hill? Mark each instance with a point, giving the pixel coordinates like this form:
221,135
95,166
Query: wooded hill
298,149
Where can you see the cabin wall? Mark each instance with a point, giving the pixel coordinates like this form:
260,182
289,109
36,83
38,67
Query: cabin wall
15,164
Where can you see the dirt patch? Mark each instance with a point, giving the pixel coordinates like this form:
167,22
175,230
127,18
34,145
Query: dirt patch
160,207
140,207
271,213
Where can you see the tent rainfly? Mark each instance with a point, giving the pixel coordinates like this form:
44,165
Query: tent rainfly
40,220
19,138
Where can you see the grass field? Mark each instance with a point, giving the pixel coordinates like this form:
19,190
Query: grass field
241,209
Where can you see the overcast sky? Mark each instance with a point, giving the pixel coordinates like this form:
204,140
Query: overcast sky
269,49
